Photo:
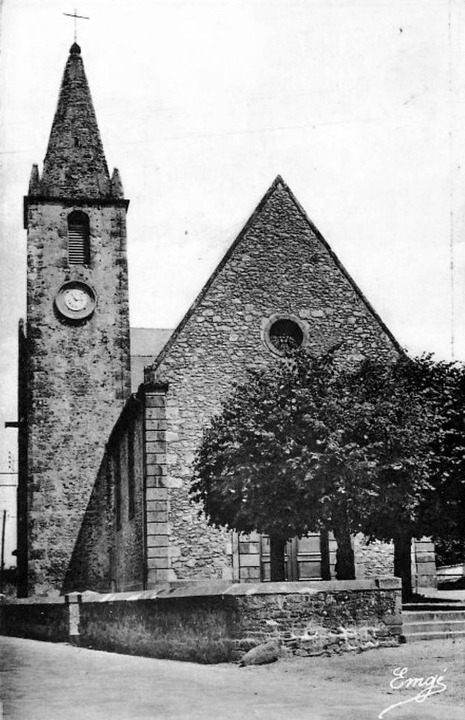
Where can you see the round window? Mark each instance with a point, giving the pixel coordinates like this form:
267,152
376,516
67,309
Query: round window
285,335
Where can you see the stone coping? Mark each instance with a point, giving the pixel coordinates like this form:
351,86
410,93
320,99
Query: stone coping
222,588
36,600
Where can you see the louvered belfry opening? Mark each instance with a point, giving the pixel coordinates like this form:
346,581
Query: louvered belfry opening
78,238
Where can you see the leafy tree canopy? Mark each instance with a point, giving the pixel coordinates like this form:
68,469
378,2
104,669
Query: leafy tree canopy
308,443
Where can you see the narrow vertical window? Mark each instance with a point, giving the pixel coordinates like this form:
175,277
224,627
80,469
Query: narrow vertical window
78,238
131,477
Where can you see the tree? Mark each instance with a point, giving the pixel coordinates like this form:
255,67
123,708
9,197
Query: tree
383,424
444,509
438,388
250,472
449,550
311,444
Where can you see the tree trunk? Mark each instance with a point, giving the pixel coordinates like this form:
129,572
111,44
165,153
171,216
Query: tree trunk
345,560
277,548
325,560
403,562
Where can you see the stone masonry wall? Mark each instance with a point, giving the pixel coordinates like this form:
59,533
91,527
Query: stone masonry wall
129,570
78,378
217,622
40,620
336,617
278,267
373,559
109,552
90,564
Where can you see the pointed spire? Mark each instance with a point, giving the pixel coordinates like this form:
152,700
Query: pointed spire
34,181
116,186
75,163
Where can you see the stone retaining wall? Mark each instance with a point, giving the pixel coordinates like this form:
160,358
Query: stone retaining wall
37,619
218,621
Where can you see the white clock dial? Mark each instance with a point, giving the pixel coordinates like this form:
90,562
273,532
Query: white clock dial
76,299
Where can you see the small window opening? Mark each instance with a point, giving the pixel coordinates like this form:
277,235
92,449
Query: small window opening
78,238
286,335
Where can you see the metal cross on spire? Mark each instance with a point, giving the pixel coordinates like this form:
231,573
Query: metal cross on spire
76,17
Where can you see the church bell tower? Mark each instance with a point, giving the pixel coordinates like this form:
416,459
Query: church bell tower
74,349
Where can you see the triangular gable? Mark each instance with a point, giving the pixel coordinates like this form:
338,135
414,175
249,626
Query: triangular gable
278,184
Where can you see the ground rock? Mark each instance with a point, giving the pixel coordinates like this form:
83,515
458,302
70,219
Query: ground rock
262,654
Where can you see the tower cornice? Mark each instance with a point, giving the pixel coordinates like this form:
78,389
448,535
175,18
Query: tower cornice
72,202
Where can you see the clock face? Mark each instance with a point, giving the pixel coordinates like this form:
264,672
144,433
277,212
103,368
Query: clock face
75,300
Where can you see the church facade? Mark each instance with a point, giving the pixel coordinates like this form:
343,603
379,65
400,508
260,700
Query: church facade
105,473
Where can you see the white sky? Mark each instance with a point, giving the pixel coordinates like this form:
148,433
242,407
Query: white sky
359,105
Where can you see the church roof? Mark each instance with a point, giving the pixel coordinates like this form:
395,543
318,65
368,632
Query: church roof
75,163
146,344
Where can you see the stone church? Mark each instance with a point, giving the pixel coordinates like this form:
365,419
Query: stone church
110,417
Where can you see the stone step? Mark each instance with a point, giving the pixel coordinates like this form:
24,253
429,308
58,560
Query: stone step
433,635
432,616
421,607
434,626
433,621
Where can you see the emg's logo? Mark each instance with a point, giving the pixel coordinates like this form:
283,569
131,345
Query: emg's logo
426,686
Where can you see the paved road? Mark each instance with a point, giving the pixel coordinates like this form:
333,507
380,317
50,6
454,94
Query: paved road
44,681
